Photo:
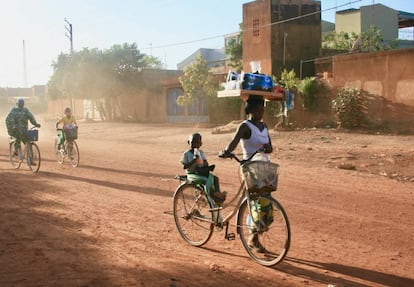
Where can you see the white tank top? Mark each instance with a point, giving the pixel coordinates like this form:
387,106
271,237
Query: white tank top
257,139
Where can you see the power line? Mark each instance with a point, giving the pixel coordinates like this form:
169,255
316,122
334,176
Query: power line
247,30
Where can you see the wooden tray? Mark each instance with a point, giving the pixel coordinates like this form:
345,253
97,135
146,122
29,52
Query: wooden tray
244,94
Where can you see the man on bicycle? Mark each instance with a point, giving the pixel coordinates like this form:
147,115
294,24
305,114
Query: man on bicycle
68,121
17,123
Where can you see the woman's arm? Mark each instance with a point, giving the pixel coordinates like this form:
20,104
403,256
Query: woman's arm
58,123
268,148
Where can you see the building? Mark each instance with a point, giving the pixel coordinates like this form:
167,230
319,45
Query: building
360,20
276,35
327,27
386,19
33,95
215,58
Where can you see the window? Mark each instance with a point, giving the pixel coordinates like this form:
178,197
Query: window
256,28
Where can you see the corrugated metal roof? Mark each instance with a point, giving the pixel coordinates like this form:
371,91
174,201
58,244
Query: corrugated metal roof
209,55
405,19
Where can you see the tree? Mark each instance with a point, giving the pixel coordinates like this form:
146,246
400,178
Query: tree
197,84
371,40
234,49
100,76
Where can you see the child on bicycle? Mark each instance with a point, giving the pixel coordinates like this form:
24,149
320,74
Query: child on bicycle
195,162
68,122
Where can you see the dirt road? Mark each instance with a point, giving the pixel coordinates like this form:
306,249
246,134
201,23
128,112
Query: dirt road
108,222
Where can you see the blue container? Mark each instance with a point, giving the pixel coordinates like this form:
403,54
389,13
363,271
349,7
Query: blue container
259,82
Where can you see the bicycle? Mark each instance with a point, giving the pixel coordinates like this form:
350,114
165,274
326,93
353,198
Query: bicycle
196,215
69,147
30,152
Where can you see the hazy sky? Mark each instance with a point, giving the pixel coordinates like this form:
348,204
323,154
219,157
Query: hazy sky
102,23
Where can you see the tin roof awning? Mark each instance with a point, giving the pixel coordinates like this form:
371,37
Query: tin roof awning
405,19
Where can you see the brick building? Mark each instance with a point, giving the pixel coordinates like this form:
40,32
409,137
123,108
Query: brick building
277,42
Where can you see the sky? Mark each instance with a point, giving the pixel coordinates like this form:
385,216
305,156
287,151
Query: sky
153,25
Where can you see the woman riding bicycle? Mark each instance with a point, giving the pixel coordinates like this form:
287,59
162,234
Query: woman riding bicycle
254,135
68,122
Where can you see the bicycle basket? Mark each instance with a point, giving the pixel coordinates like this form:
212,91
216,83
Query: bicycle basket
260,176
32,135
71,132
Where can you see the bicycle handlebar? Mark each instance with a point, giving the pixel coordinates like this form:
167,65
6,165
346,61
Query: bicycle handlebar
223,154
61,129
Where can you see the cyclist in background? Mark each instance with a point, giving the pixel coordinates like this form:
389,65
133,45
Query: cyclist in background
17,123
68,121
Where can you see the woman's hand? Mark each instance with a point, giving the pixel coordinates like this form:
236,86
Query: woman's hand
268,148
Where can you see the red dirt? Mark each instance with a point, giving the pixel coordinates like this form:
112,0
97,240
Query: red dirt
108,222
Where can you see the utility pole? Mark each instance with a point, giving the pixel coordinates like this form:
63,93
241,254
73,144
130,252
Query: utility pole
68,28
284,48
70,35
24,67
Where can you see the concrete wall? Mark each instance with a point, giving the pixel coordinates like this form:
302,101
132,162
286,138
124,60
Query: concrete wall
387,77
56,108
295,40
389,74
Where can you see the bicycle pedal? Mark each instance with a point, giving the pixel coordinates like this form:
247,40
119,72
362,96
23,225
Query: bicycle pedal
230,236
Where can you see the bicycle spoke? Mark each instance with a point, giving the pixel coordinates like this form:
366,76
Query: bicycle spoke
14,157
192,215
264,231
33,157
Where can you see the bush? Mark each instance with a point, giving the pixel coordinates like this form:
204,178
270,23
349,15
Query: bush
224,110
350,107
308,89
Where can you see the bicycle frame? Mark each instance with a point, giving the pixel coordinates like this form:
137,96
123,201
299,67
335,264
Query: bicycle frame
27,146
240,197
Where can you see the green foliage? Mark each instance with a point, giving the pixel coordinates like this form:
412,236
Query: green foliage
308,89
288,80
350,107
371,40
339,41
234,50
196,82
100,75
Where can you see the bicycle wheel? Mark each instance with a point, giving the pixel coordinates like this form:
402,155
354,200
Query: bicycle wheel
60,154
264,230
14,159
33,157
73,153
192,215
